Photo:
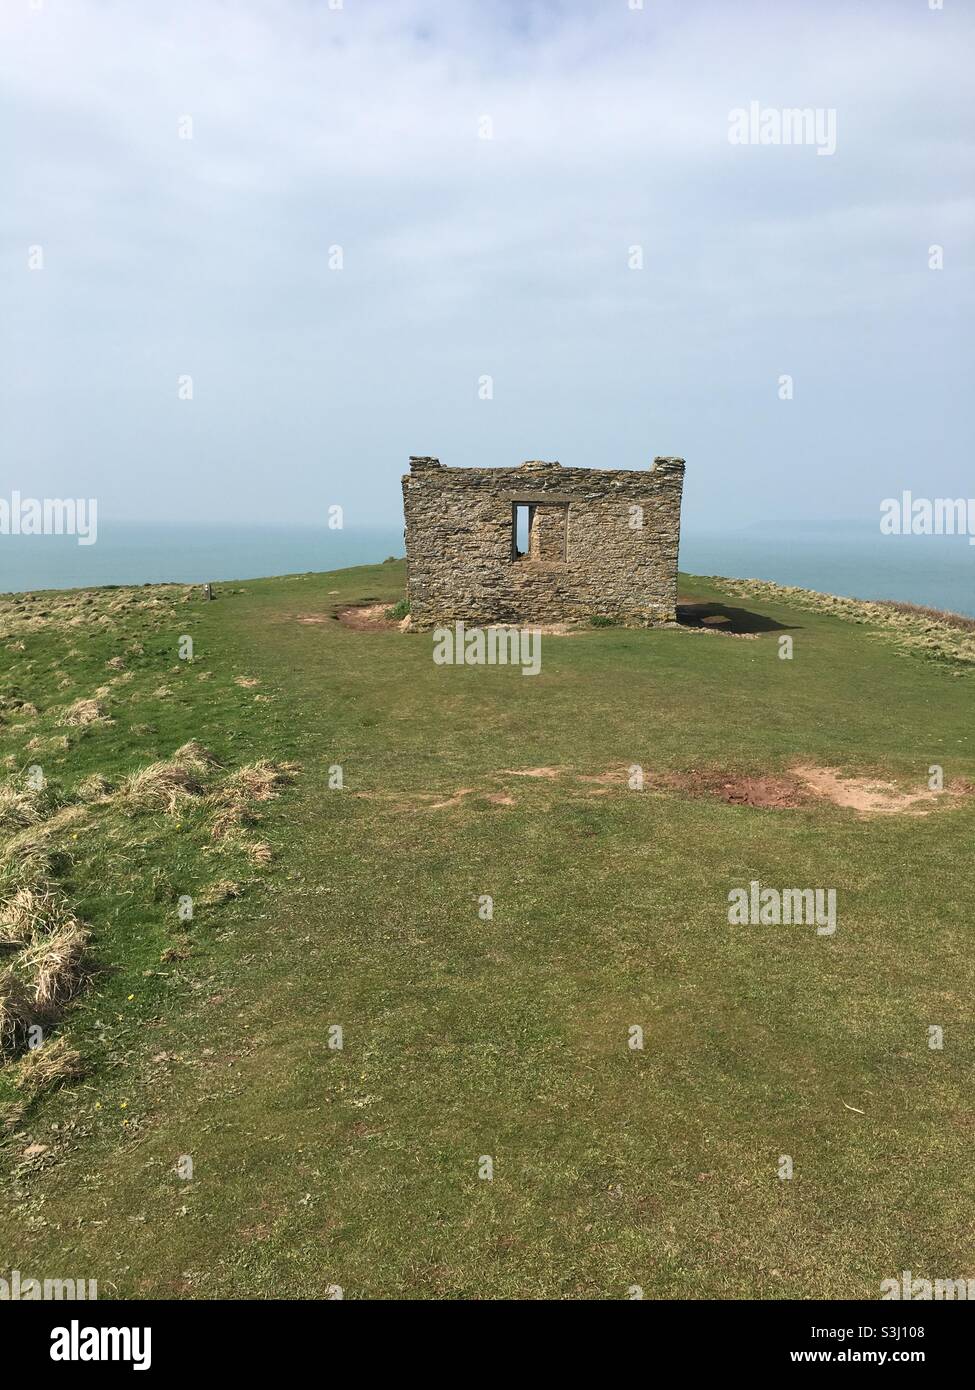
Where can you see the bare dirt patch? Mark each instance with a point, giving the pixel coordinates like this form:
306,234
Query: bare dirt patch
368,618
770,792
799,787
454,800
869,795
803,786
549,773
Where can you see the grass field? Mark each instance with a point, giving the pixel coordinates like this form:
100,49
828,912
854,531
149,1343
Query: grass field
359,906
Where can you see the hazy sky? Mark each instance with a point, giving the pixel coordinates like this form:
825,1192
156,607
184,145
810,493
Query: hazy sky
360,127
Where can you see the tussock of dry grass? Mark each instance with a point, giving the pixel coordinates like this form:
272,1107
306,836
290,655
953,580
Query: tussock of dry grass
34,839
53,964
35,917
194,753
11,1116
46,969
18,809
30,912
43,1068
939,615
260,781
42,943
12,708
17,1010
84,712
25,863
177,952
94,788
26,1002
167,785
55,743
224,890
228,819
234,801
162,786
24,614
24,807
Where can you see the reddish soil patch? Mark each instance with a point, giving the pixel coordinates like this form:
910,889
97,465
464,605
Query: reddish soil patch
804,786
770,793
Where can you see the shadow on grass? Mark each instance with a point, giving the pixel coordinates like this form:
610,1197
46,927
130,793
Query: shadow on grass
725,618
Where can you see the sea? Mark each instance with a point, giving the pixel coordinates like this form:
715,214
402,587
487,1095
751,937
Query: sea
837,557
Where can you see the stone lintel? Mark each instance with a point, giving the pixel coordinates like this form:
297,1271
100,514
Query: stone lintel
529,499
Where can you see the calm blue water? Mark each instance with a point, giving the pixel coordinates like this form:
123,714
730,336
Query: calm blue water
150,553
840,558
850,558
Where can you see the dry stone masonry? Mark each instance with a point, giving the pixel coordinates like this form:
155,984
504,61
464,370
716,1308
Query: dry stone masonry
601,542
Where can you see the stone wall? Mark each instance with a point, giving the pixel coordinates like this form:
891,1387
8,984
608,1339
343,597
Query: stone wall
586,555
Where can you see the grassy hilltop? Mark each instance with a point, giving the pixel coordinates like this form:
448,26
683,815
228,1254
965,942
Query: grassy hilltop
317,905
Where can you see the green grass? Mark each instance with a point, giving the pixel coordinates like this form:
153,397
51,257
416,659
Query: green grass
508,1037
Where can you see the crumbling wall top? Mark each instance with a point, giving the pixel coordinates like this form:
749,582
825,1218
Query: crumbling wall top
421,463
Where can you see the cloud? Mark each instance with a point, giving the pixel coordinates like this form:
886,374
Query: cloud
314,127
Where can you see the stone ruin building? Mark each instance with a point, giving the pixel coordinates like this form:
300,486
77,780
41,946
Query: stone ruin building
600,542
